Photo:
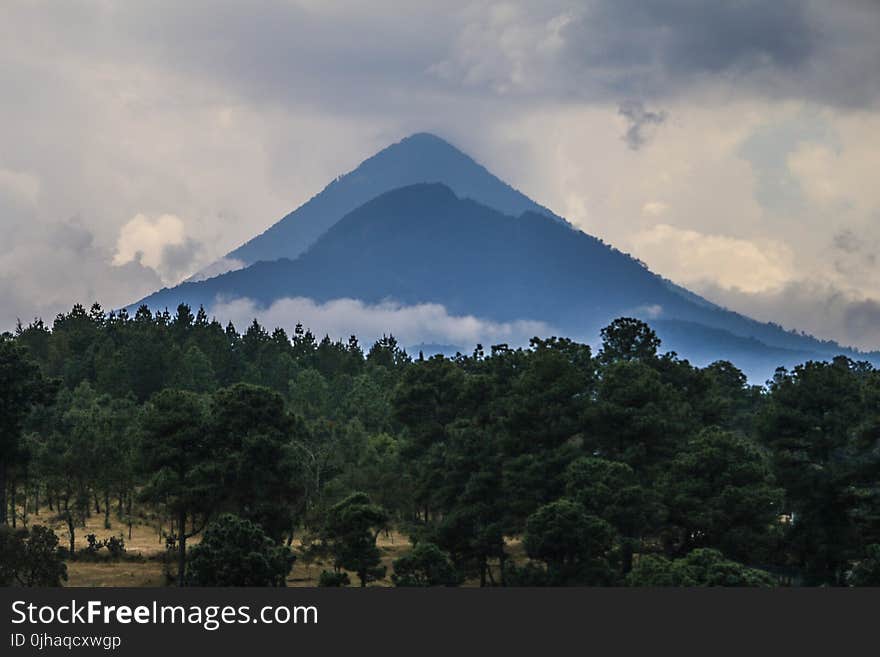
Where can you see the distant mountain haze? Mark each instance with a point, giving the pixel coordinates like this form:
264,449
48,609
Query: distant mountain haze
483,250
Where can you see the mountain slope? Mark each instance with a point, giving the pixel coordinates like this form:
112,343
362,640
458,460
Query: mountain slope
423,244
419,158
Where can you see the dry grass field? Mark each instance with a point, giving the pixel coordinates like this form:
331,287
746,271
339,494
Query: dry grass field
146,542
143,565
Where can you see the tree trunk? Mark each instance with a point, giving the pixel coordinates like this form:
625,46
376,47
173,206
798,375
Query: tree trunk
3,518
12,502
71,530
181,548
24,504
106,509
627,555
129,516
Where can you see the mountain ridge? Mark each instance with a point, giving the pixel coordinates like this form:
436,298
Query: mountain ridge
423,244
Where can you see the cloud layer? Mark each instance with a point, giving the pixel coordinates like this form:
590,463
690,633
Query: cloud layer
411,325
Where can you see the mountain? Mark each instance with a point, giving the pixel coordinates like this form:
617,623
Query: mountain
424,244
422,157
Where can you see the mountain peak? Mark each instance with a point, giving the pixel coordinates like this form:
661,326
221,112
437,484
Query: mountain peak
426,138
419,158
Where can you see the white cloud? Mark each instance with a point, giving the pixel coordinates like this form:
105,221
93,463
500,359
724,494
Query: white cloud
340,318
160,244
689,257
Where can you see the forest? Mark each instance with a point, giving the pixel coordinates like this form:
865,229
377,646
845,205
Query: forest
254,455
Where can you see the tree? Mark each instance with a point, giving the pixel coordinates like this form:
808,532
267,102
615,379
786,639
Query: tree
184,469
610,490
628,339
195,372
637,418
21,387
470,501
426,401
72,455
425,565
702,567
237,552
249,426
721,493
30,557
573,545
350,533
808,424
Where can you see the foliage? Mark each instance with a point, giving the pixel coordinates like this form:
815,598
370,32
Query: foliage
350,532
333,579
30,557
573,545
621,465
236,552
425,565
702,567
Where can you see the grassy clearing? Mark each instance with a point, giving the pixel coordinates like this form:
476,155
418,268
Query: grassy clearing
146,542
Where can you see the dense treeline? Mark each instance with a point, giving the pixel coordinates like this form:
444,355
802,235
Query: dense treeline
551,465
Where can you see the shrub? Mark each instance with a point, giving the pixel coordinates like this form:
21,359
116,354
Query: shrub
30,557
237,552
425,565
702,567
333,579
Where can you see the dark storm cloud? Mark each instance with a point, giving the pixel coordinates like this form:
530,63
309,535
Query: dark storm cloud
692,36
640,120
855,254
790,48
386,55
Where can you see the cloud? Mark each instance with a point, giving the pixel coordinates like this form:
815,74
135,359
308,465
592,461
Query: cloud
689,257
505,47
817,307
340,318
160,244
52,265
640,121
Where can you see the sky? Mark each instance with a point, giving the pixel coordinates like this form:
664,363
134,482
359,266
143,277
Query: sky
732,146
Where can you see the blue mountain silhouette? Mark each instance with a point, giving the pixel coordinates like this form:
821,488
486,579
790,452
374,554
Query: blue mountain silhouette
479,247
